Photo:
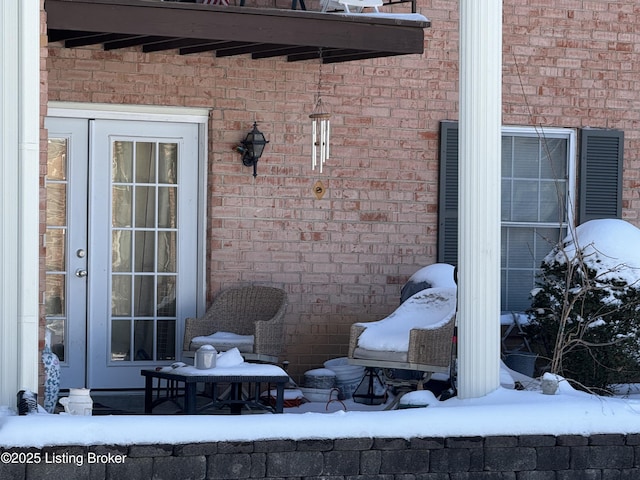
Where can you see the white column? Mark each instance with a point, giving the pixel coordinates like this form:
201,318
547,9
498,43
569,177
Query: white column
479,197
8,201
19,205
29,196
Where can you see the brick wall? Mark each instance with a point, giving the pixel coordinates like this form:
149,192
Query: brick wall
342,259
538,457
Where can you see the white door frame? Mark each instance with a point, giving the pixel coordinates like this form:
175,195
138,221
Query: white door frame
162,114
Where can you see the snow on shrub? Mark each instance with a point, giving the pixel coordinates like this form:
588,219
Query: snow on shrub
586,307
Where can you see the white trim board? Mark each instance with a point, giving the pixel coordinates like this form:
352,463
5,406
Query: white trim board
107,111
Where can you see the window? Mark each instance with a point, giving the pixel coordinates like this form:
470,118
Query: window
537,185
539,195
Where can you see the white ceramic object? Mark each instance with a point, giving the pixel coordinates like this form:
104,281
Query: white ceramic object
205,357
549,384
320,378
348,377
78,402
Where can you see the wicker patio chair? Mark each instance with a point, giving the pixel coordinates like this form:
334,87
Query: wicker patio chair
418,335
251,311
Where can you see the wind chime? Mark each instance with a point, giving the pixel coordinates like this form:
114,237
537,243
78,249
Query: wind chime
320,128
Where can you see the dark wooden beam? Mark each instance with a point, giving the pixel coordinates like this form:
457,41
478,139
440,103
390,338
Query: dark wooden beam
241,50
174,43
240,24
94,39
280,51
133,41
207,47
349,57
55,35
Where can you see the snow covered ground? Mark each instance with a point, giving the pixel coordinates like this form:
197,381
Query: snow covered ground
503,412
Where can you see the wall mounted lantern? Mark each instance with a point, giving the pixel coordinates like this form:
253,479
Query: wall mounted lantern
252,147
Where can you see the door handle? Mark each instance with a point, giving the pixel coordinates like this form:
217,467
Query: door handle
81,273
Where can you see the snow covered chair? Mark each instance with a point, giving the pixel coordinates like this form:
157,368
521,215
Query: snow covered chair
418,335
247,318
434,275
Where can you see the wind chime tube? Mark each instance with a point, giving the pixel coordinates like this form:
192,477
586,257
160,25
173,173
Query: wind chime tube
322,143
313,145
320,131
328,133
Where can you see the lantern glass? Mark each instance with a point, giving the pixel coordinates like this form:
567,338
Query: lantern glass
253,147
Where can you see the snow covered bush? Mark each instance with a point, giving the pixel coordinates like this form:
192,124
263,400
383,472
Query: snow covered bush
586,309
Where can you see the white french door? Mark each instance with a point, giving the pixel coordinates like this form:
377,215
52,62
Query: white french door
122,243
66,246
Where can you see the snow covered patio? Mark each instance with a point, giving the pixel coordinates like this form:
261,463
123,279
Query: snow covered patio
507,434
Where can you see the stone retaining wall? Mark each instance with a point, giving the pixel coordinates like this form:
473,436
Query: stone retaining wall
538,457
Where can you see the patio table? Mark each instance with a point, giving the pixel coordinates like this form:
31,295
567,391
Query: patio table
242,385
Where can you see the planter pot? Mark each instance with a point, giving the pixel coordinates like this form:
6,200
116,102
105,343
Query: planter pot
522,362
549,384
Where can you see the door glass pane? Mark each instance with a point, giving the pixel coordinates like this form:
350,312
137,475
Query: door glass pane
143,296
121,295
145,207
166,296
122,162
55,295
167,207
56,244
56,204
57,159
143,339
56,241
145,162
56,328
145,251
168,163
166,252
166,343
120,340
121,251
122,202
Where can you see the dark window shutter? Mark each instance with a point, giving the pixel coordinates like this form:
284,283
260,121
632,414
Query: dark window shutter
601,154
448,194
